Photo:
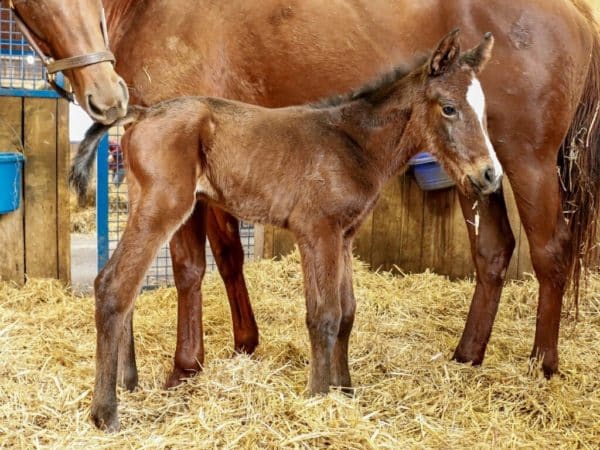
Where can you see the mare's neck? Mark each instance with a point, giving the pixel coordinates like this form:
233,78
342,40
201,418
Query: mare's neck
120,15
382,131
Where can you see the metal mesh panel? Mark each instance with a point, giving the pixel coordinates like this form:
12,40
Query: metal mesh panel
161,272
20,68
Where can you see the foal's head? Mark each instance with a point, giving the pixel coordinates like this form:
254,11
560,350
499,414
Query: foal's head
452,119
76,28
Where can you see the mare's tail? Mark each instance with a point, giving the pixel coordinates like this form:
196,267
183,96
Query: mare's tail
83,162
579,166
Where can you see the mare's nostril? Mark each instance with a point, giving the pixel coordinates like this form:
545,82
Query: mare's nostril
93,108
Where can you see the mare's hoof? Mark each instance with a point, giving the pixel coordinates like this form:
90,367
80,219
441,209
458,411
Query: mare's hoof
105,417
247,344
178,376
466,357
549,362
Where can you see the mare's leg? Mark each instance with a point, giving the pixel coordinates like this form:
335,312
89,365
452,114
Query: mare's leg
491,249
340,372
188,253
224,236
322,264
538,197
118,283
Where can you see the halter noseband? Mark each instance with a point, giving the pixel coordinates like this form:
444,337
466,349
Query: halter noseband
73,62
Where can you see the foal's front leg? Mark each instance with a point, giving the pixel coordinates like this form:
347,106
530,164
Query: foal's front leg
340,372
322,264
116,287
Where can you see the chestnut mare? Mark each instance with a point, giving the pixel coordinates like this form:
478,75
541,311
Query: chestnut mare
316,170
542,91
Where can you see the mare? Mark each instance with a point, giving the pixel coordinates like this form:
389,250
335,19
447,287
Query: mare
315,170
542,111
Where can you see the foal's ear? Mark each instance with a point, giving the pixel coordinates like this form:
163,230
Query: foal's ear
445,55
477,57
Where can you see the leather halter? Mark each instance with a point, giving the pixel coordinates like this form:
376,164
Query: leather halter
73,62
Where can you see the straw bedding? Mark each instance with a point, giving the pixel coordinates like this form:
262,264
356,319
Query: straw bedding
409,393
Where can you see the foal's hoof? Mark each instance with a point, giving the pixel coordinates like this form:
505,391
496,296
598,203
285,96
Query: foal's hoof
178,376
348,391
105,417
128,380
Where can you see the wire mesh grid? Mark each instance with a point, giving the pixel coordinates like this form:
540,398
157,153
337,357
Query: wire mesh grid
20,67
161,271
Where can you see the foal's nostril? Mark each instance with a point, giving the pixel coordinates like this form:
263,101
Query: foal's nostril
488,175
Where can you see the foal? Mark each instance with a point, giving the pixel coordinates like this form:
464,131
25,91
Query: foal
316,170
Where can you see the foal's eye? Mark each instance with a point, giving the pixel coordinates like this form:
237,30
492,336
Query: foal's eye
449,111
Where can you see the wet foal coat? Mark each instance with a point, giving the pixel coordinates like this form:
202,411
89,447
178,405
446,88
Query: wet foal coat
315,170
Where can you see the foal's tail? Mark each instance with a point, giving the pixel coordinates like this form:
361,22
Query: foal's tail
81,167
579,166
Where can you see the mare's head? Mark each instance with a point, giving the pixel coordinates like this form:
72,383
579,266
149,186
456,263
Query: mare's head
452,117
75,28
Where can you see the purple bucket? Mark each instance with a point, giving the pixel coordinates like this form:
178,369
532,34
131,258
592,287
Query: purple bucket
429,174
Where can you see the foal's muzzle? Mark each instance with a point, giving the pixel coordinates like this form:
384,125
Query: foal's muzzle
487,181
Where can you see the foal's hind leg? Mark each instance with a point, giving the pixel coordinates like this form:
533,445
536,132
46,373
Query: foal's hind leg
491,249
224,236
340,372
188,253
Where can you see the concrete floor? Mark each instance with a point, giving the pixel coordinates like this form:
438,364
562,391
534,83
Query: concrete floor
83,262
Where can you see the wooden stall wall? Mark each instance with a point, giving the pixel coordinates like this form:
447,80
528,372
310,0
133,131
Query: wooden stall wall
35,240
412,231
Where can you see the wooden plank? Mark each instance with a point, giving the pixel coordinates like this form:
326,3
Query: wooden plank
259,241
525,266
386,227
283,242
460,264
364,239
268,237
436,231
515,225
63,220
40,188
12,235
411,249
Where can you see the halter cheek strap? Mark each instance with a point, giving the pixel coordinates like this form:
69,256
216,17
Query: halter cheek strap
73,62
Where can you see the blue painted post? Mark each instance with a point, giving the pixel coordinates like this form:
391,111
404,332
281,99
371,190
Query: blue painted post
102,202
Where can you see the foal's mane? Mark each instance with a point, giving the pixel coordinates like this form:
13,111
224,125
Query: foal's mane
375,89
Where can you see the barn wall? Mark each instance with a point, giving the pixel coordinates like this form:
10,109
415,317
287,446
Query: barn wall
414,230
35,240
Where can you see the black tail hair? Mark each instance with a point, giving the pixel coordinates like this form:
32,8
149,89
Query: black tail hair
79,176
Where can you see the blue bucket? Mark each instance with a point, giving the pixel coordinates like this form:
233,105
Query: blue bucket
429,174
11,169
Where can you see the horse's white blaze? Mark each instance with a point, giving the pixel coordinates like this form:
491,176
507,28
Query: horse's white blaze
476,99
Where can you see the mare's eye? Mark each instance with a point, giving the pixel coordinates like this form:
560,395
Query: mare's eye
449,111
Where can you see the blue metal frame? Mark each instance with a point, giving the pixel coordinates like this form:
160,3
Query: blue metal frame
102,202
38,93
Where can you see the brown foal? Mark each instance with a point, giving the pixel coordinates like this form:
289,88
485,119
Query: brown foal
316,170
